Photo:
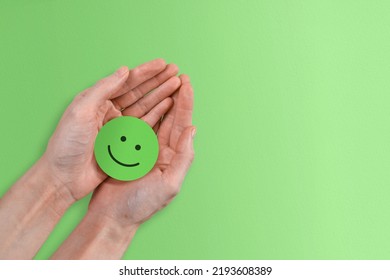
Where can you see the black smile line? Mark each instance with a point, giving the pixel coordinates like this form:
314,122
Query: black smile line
118,162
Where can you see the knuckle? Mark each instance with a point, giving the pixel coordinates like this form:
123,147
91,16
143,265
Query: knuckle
77,99
101,83
172,190
136,72
140,109
137,92
117,105
80,96
190,158
155,81
77,113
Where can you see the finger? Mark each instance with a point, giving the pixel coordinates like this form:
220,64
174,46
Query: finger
138,76
157,126
145,104
165,129
106,88
142,73
130,97
154,115
182,159
183,111
166,125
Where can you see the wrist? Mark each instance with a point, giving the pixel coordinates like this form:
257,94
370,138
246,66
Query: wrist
49,187
29,212
97,237
112,230
42,184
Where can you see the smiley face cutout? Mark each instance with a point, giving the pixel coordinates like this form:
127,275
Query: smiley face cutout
126,148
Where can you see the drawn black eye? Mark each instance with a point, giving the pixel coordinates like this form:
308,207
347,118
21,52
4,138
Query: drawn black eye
137,147
123,138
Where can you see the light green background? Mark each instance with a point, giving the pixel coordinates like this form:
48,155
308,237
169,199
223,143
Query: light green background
292,106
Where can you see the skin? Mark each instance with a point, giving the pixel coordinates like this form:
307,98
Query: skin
70,149
118,208
68,171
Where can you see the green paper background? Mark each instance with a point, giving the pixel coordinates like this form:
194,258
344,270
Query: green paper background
292,102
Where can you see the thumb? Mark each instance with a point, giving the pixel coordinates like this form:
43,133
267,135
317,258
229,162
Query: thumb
108,87
183,158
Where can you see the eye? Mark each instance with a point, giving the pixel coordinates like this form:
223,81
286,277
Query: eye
123,138
137,147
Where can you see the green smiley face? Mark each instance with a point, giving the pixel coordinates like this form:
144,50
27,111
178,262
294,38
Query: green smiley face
126,148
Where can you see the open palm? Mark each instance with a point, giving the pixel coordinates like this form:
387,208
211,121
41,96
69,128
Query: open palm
70,150
134,202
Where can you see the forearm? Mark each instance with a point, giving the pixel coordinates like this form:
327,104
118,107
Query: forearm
97,237
29,211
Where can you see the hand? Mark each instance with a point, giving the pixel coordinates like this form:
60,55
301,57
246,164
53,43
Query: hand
69,154
131,203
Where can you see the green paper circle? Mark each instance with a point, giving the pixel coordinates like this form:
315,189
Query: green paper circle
126,148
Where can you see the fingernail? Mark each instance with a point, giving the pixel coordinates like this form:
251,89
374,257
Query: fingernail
121,71
193,132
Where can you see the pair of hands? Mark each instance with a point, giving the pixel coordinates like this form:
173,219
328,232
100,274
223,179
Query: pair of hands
152,92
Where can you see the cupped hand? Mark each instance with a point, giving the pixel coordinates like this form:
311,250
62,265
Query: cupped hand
133,202
69,154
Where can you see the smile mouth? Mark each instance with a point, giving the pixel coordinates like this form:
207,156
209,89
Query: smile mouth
118,162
